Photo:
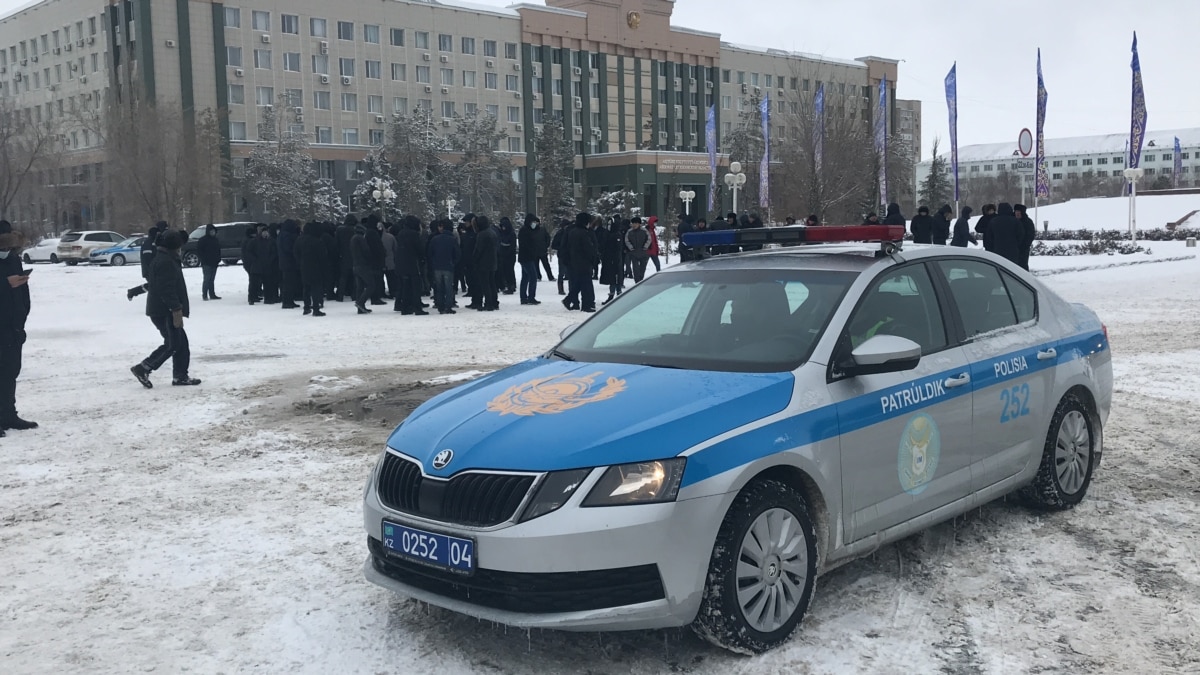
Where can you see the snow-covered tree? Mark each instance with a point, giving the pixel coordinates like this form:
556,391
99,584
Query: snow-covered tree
483,176
621,203
414,149
377,191
555,171
280,171
937,188
327,203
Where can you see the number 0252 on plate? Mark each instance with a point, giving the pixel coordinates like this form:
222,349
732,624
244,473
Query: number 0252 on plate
430,548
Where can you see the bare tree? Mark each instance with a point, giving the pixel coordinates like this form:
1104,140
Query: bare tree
26,147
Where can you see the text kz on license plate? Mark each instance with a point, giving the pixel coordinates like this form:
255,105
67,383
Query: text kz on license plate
439,550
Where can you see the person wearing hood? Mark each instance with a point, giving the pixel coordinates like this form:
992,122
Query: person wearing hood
611,247
533,242
506,257
289,267
989,212
941,225
345,279
962,229
558,243
150,246
466,241
580,256
444,256
362,260
1004,234
312,257
922,227
167,307
654,251
388,236
378,256
271,271
410,257
250,265
1028,234
637,248
332,259
14,310
208,249
893,216
812,221
484,261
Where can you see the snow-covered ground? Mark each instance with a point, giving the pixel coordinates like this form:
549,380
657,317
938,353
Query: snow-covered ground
218,528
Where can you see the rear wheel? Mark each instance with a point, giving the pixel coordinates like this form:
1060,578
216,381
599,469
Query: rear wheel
53,259
27,259
762,573
118,260
72,263
191,259
1069,458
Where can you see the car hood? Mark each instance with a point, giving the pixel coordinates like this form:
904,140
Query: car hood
549,415
104,251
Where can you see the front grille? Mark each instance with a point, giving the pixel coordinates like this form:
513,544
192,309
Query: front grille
476,499
526,592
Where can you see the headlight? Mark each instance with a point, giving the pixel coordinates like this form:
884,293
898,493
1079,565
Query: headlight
641,483
554,491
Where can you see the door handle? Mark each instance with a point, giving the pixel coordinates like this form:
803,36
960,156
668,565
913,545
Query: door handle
1048,354
959,381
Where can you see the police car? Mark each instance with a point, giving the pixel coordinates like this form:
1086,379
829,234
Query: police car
706,445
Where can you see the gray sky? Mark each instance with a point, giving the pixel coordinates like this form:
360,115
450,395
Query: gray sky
1085,55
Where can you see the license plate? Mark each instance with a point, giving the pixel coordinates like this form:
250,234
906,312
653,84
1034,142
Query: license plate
430,548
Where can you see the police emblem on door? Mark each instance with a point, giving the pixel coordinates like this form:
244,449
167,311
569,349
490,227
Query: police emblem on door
920,448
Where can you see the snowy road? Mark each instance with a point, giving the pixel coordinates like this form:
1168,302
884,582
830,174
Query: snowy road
218,529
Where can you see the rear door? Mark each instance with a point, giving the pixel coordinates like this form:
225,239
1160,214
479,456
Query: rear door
905,437
1012,365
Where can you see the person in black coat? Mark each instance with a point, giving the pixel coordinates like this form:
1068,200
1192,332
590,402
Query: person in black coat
466,241
374,226
208,249
557,242
581,257
922,227
444,255
332,259
167,307
533,243
989,212
410,257
254,291
962,230
362,262
611,247
484,260
685,252
150,245
941,225
1028,234
1004,234
506,257
894,217
345,278
312,259
271,271
14,310
289,267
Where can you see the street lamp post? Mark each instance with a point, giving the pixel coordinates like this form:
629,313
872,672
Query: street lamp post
384,197
687,196
735,179
1132,175
450,204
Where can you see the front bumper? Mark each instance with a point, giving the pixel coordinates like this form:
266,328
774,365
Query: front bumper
617,568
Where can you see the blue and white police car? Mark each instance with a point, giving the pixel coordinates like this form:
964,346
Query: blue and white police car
706,445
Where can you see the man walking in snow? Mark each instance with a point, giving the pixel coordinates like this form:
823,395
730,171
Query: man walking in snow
637,246
167,307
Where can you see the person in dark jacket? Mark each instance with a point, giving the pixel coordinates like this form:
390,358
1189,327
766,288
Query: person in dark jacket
466,241
254,291
289,267
506,257
962,229
374,225
312,258
14,310
332,259
444,257
812,221
484,259
345,279
1003,236
941,225
893,216
410,257
922,227
611,247
1028,234
167,307
557,242
269,256
362,262
150,245
989,212
581,258
637,248
209,251
686,252
533,243
871,219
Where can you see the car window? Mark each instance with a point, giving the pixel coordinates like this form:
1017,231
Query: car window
70,237
96,236
196,234
983,301
116,238
1023,297
902,303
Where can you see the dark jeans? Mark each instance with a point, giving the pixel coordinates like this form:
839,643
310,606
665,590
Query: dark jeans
255,291
639,268
506,276
392,278
174,347
485,289
443,289
270,285
546,264
408,293
10,369
208,287
529,279
314,294
583,291
366,285
345,286
657,264
289,286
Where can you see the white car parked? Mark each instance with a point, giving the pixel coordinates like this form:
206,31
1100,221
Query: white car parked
75,247
45,250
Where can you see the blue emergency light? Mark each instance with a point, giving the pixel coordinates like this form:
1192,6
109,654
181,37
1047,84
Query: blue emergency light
797,234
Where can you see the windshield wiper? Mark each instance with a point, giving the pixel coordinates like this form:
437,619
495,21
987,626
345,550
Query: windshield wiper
561,355
659,365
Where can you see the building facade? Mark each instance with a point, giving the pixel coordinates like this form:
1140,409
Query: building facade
631,89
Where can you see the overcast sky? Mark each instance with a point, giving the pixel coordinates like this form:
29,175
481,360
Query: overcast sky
1085,55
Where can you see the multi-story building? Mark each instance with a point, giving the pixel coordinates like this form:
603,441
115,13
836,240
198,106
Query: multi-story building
632,90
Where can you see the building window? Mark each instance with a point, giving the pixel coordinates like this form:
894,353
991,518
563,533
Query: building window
371,34
422,40
289,24
1072,162
470,109
1072,174
726,102
233,17
264,95
325,169
399,72
493,111
296,129
233,56
469,79
768,81
595,90
447,77
445,43
318,28
1183,155
1118,160
514,144
346,67
1057,176
1166,157
291,61
447,109
376,137
324,135
1102,174
320,64
262,21
237,131
975,169
374,70
293,98
510,50
321,100
350,136
400,105
511,83
1087,162
556,87
539,116
1057,163
489,48
375,104
468,45
514,114
237,94
349,102
726,76
988,167
1150,172
397,37
423,74
345,30
262,59
1149,158
491,81
1102,160
754,79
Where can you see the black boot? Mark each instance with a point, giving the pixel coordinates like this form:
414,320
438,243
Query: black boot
139,371
17,424
185,382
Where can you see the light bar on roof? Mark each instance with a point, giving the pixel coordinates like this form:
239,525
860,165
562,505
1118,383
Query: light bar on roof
797,234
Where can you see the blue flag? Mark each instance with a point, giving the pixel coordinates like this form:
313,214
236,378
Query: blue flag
1042,187
710,139
952,106
819,129
881,140
1178,163
1137,131
764,171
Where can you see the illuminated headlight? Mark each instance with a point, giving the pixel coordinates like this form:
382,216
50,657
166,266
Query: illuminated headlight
640,483
554,491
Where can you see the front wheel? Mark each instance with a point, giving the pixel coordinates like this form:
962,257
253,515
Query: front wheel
118,260
53,259
1069,458
762,573
27,259
190,259
72,263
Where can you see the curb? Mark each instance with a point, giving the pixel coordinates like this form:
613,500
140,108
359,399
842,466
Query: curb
1089,268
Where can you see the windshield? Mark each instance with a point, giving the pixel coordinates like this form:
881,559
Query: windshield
130,242
197,233
724,320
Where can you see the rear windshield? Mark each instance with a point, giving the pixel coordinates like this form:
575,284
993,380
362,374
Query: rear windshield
71,236
723,320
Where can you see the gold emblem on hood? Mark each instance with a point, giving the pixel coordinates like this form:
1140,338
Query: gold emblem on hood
554,395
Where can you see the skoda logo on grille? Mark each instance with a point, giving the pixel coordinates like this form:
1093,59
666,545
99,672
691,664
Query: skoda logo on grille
443,458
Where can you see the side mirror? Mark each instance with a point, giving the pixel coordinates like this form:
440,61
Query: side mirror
882,354
567,331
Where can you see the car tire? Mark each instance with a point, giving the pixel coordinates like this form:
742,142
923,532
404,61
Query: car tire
117,260
734,615
191,259
53,259
27,259
1069,458
72,263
